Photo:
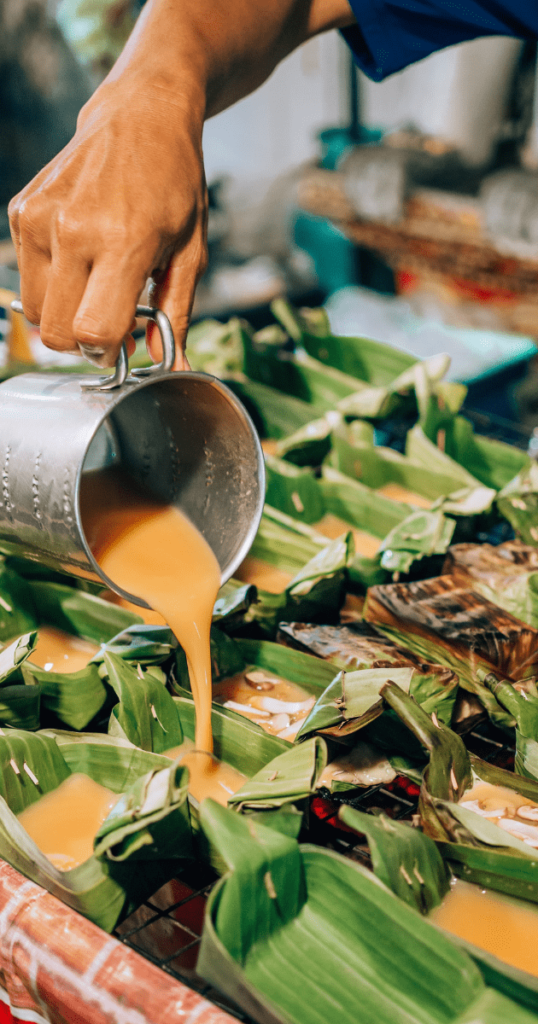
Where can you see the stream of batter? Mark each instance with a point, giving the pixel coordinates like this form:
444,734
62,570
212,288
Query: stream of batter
153,550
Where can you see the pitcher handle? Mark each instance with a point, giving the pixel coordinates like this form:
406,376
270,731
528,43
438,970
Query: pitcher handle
121,372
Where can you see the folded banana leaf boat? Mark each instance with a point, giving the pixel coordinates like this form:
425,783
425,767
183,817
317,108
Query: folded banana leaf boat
143,842
314,580
387,534
498,856
300,934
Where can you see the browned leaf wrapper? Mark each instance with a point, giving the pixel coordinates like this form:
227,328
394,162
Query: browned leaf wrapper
459,628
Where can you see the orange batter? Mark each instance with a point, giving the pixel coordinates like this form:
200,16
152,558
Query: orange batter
502,925
64,822
153,550
58,651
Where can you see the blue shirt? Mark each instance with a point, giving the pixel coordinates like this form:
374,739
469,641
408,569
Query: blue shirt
395,33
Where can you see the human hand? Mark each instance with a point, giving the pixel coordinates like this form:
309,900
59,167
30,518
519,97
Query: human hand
124,201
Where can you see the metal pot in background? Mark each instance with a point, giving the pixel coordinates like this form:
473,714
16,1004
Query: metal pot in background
182,435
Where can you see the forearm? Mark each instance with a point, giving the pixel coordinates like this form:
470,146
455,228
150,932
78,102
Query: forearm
210,53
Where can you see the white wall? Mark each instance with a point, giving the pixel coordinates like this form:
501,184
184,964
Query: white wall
457,94
275,128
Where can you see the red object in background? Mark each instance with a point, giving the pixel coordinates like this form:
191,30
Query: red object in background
5,1013
407,282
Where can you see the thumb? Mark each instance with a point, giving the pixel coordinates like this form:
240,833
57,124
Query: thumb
173,292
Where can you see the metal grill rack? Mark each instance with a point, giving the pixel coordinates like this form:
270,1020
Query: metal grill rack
167,928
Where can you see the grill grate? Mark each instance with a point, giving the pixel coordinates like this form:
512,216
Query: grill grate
167,928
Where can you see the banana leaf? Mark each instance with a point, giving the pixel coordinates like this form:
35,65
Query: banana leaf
232,602
215,347
236,740
405,534
231,656
406,860
518,502
319,567
300,935
273,413
506,574
289,778
20,705
441,440
18,614
74,699
295,373
310,444
77,612
456,627
71,698
390,374
475,848
409,863
352,700
408,535
377,466
134,854
523,706
143,644
356,645
150,718
145,713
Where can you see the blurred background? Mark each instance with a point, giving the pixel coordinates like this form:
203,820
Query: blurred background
408,208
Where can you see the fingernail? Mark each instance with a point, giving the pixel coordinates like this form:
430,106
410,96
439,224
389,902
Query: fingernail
94,355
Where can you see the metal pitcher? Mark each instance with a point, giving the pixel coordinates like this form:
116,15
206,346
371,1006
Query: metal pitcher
182,435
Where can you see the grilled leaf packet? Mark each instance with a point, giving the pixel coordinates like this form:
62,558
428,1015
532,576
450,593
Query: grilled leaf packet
359,646
518,502
300,934
474,847
506,574
459,628
404,534
319,571
137,849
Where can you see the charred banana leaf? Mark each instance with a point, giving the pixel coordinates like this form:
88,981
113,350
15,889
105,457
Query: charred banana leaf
458,628
506,574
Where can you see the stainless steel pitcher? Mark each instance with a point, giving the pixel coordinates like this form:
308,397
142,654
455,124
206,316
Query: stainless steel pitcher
182,435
